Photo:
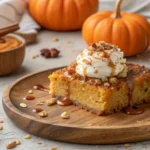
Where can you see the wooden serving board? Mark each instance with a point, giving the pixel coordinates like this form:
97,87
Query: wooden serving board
82,127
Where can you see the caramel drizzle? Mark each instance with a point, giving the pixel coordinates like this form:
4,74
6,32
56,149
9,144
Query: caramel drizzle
84,74
130,109
41,88
111,65
66,100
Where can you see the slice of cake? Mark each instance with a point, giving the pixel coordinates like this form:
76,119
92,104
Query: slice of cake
100,81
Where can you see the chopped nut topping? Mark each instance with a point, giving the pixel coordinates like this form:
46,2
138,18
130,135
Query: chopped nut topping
23,105
113,80
55,39
51,101
1,127
91,81
106,46
105,79
106,84
1,121
11,145
95,81
28,136
98,81
123,74
72,66
95,47
30,92
101,46
65,115
43,113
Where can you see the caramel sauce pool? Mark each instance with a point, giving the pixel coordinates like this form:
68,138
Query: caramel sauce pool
37,110
133,110
29,98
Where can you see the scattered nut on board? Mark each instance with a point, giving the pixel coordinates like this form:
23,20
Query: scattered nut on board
65,115
23,105
35,56
50,53
11,145
40,103
43,113
30,92
1,121
1,127
17,142
51,101
28,136
55,39
39,142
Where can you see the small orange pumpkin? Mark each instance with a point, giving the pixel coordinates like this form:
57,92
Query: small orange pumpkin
62,15
128,31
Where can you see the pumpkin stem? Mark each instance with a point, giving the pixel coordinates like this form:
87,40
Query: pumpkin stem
116,13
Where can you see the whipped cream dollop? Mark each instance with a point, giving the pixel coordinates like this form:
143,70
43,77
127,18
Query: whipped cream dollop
100,60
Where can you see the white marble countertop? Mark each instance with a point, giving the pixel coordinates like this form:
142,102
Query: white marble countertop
68,53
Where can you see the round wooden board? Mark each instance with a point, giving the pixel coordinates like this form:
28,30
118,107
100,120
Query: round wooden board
82,127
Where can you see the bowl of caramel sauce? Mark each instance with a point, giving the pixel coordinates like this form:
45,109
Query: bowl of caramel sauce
12,53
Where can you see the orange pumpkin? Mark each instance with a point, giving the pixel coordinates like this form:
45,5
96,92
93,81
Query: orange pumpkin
128,31
62,15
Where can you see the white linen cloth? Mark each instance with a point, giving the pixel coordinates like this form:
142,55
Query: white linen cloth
15,11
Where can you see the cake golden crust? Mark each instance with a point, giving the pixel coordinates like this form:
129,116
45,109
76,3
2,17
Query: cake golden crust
102,96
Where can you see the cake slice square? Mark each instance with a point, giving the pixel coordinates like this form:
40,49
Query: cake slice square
101,81
93,95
